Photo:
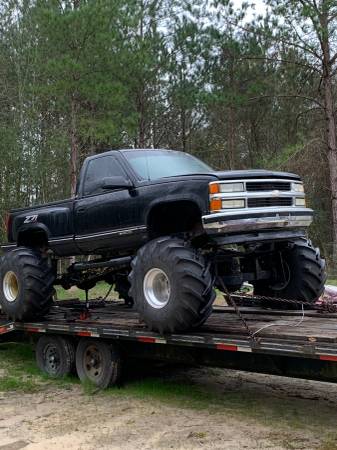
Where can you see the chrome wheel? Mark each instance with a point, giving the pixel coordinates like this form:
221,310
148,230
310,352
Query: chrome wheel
157,288
10,286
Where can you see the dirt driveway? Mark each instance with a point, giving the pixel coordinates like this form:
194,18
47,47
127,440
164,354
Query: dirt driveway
235,411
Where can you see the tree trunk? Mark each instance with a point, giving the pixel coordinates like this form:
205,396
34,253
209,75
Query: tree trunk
331,129
332,156
183,128
73,149
141,93
232,116
141,123
231,138
73,135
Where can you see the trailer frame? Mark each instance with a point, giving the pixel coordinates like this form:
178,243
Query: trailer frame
285,342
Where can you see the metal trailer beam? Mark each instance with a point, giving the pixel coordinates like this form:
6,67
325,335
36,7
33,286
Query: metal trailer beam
280,346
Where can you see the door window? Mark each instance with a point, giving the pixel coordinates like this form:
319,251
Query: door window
99,168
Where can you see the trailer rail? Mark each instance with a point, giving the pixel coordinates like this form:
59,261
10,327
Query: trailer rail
275,332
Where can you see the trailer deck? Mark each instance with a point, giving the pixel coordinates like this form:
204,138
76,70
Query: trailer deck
288,333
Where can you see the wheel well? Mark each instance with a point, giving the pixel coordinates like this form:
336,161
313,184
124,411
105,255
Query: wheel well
32,238
174,217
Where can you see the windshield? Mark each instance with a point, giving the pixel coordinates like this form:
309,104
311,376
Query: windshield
154,164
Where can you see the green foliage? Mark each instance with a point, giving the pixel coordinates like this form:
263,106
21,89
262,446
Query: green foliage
18,370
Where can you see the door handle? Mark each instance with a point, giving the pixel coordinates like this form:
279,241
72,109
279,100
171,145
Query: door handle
81,210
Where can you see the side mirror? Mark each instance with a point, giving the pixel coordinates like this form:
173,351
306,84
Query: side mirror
116,182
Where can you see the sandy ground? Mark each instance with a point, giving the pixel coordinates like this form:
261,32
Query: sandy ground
68,418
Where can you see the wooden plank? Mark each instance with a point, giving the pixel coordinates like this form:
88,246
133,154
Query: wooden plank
224,322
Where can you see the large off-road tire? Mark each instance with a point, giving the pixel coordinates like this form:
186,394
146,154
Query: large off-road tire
55,355
305,277
26,284
171,285
122,287
98,362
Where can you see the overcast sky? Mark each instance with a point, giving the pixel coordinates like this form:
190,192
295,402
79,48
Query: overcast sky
260,7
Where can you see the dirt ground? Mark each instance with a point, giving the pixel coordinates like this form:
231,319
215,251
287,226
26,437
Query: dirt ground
252,412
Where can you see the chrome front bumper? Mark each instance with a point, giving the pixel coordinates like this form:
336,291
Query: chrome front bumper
257,219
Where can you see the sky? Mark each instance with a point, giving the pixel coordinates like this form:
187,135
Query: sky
260,7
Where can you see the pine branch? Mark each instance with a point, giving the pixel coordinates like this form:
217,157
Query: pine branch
304,97
333,59
281,60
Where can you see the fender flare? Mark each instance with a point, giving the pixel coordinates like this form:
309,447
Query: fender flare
32,228
172,199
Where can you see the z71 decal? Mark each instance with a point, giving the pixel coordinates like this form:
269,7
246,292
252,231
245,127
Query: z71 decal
31,219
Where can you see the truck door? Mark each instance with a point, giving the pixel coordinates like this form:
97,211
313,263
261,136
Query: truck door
101,214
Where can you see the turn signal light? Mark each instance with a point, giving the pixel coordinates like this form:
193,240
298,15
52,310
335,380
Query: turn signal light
215,204
214,188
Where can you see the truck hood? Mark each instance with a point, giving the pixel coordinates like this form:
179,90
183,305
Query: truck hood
243,174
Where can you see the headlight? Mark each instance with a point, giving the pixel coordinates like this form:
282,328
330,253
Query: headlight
300,201
231,187
216,188
217,204
227,204
298,187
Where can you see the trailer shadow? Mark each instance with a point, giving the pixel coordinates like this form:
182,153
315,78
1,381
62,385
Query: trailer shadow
270,399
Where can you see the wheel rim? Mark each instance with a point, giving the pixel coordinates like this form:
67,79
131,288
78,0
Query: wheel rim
10,286
52,359
93,363
157,288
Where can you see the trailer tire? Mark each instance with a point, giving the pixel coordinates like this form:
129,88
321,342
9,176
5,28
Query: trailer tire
55,355
98,362
171,285
26,284
306,280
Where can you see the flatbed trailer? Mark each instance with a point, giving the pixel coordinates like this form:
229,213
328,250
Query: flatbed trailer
290,343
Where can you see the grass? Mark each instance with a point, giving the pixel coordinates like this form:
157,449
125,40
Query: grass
20,373
292,421
329,443
100,290
267,410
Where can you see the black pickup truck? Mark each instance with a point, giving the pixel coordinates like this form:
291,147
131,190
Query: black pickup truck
165,229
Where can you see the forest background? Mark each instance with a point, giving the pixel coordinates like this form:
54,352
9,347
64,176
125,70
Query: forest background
238,85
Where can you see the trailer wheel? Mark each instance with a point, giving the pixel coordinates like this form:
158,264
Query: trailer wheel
304,277
98,362
171,285
26,284
55,355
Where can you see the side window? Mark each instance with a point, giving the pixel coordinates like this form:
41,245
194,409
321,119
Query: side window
99,168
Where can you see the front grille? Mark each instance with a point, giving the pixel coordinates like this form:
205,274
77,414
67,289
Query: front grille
263,202
258,186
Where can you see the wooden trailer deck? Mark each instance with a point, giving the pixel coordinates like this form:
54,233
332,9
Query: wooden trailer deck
287,333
